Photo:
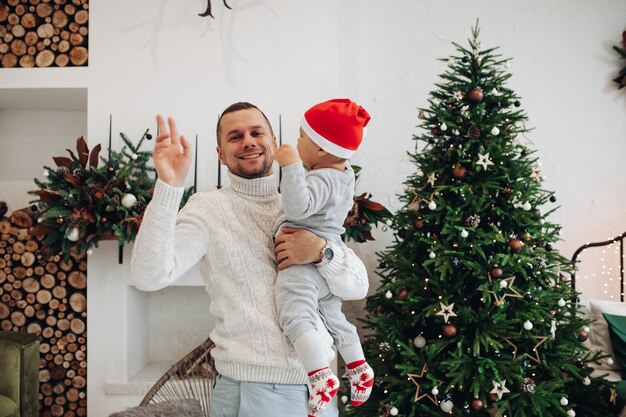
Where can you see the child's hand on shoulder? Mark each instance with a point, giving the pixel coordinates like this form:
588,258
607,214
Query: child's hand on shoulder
286,155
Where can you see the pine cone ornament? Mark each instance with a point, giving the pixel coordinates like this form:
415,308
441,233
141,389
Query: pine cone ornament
472,221
140,207
77,173
528,385
473,132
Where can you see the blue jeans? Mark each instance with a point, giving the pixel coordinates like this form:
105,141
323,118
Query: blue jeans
257,399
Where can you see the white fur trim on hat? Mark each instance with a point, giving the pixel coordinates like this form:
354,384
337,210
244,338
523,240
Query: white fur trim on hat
325,144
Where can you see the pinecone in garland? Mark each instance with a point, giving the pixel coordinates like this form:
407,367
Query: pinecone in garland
77,173
528,385
472,221
473,132
140,206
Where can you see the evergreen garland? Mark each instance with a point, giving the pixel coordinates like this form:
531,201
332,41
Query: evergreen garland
87,197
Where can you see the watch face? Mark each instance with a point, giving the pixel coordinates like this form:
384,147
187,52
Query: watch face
328,254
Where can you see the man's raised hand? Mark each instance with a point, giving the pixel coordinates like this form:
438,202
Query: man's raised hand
172,154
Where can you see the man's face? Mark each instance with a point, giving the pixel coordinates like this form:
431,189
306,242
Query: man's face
246,144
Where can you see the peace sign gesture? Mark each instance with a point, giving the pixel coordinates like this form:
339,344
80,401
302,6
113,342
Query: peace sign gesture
172,154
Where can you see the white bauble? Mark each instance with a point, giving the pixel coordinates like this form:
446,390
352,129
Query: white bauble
495,131
464,233
528,325
344,399
388,294
419,342
432,255
432,205
89,251
564,401
610,361
561,303
586,381
446,406
526,206
73,235
393,411
503,284
133,156
389,222
571,413
443,127
586,329
129,200
435,391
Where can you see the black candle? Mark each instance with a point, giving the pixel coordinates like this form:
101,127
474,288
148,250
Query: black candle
195,167
110,129
219,173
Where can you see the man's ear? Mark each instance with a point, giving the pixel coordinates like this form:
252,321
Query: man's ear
275,143
219,155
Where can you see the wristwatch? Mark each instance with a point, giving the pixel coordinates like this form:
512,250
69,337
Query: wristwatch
327,252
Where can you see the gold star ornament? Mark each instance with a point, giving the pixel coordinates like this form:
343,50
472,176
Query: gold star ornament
414,379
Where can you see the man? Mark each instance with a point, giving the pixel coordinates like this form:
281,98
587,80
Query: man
229,232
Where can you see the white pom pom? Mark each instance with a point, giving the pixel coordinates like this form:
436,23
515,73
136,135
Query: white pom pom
586,329
503,284
419,342
432,205
443,127
432,255
561,303
73,235
528,325
344,399
526,206
564,401
495,131
393,411
586,381
388,294
129,200
435,391
446,406
464,233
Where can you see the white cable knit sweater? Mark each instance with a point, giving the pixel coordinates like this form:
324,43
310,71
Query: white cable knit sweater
230,232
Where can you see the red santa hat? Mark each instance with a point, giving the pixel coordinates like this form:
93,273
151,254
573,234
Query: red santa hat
337,126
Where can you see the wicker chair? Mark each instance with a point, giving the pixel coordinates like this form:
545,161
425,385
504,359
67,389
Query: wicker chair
189,378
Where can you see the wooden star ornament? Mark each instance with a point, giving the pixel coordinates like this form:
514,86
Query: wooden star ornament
413,378
446,311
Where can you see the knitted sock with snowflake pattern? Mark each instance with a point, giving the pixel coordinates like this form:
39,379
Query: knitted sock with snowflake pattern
361,377
324,387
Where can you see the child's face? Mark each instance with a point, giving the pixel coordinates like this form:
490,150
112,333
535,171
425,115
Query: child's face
308,150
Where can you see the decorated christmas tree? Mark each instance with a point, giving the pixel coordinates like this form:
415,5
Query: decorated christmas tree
475,315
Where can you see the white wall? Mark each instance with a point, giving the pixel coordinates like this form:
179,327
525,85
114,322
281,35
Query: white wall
149,56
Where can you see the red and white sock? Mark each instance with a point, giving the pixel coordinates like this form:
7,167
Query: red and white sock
324,387
361,377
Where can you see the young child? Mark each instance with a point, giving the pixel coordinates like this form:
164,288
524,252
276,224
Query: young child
319,201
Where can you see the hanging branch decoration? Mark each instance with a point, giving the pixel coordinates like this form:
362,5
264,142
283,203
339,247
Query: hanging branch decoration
82,201
208,12
621,78
365,213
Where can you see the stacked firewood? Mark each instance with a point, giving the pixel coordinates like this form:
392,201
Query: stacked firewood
43,33
46,297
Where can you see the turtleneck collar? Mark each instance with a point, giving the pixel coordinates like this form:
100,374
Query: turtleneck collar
259,187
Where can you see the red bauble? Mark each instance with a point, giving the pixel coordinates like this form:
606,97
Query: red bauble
516,245
449,330
476,95
459,172
477,405
419,224
582,335
496,272
402,294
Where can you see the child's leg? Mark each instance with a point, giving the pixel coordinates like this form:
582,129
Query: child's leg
297,291
360,374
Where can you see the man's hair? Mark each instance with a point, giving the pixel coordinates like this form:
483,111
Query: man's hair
242,105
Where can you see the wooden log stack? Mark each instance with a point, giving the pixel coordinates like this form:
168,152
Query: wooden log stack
46,297
44,33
